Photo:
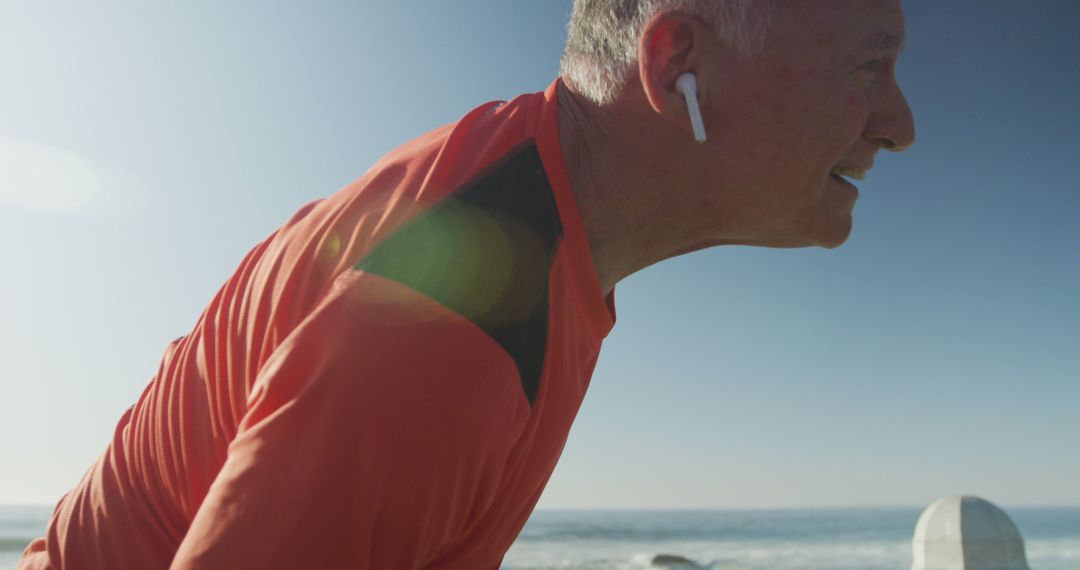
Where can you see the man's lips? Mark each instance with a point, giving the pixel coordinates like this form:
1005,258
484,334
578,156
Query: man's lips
844,183
845,173
852,172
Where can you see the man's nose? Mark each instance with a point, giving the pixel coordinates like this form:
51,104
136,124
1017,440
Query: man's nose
892,125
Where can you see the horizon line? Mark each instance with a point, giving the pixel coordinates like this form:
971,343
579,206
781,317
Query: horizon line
718,508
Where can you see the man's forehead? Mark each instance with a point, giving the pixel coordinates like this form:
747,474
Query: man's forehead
876,24
864,25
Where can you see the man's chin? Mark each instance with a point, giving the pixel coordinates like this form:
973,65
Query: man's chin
835,234
829,235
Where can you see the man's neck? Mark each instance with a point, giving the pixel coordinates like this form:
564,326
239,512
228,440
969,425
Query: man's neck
618,178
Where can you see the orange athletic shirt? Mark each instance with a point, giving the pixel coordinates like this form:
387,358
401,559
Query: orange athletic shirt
386,382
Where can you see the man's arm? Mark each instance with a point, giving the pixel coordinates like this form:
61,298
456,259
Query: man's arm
376,434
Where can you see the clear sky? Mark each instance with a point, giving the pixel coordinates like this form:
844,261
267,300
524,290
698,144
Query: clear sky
145,148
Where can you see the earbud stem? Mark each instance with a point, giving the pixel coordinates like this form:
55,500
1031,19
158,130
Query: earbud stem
687,85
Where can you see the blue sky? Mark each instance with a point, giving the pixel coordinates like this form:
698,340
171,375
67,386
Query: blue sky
936,353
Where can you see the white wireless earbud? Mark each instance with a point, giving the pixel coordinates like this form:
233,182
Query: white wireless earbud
687,85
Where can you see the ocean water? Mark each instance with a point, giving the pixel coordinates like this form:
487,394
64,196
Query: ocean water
820,539
18,526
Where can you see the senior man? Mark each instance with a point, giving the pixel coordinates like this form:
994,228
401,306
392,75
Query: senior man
388,380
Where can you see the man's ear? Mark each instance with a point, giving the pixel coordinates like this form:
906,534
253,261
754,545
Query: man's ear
671,44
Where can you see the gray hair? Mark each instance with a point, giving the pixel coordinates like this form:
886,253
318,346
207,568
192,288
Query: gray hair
602,37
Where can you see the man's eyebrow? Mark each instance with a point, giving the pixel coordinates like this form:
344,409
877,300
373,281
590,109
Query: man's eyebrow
884,42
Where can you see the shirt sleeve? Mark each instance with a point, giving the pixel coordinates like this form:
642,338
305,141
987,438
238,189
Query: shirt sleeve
375,434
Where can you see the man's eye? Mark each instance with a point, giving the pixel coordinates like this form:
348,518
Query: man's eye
868,73
872,66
